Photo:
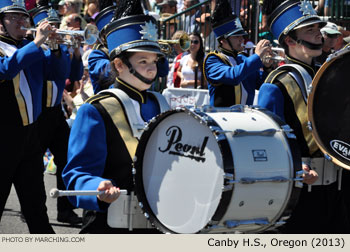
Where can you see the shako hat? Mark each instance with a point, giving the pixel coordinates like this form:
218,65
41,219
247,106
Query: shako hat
106,14
130,30
13,6
224,22
43,12
291,15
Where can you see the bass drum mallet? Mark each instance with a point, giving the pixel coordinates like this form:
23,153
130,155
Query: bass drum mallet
55,193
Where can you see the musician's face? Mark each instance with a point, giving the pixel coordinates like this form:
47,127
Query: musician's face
237,43
145,63
311,34
13,23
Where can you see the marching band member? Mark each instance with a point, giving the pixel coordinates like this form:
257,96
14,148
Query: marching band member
101,143
320,208
24,65
99,63
52,124
232,77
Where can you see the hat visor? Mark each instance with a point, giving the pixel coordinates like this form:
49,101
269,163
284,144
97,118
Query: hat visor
311,21
149,49
330,31
237,33
17,10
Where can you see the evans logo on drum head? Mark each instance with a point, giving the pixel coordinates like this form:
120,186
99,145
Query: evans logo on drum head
341,148
176,147
259,155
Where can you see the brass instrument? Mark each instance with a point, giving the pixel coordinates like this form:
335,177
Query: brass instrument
278,55
90,35
183,41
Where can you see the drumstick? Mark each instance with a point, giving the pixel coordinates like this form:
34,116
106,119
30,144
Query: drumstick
54,193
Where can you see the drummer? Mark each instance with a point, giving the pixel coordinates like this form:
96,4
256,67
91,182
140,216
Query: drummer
101,143
320,208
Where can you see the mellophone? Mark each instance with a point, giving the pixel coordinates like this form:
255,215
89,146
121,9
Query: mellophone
230,170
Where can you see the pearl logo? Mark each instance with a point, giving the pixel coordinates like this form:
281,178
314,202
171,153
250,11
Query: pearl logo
341,148
176,147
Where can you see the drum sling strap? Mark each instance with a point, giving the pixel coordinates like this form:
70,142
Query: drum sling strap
238,88
116,112
296,94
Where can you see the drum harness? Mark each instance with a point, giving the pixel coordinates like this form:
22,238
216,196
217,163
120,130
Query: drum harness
328,172
129,214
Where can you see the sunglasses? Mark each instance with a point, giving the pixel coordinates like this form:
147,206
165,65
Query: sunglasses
196,42
332,35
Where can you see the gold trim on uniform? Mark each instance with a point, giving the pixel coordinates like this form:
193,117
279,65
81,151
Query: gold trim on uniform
49,93
20,101
130,87
116,112
300,107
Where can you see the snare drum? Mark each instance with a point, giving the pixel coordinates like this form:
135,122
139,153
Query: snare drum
216,170
329,108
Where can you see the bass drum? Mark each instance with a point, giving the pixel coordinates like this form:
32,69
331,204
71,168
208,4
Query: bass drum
213,170
329,108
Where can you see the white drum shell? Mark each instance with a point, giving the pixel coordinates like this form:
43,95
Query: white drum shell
262,199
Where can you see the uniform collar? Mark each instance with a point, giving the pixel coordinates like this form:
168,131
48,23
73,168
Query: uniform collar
9,40
311,69
228,52
133,93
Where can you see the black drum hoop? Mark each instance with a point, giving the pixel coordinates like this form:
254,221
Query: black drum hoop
316,83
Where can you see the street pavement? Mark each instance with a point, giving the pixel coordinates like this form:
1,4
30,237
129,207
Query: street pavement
11,222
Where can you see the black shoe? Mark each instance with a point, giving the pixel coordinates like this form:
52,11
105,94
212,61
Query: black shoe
69,216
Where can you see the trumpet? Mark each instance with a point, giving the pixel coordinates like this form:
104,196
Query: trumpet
183,41
90,35
278,54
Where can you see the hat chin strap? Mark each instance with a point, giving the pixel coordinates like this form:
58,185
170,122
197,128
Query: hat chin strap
310,45
136,74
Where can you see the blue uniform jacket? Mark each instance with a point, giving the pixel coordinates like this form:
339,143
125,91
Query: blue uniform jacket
75,69
38,66
246,71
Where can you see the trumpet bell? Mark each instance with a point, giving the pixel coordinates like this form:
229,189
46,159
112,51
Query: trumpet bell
91,34
184,43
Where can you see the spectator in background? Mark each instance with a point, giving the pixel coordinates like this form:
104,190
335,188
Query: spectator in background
173,79
30,4
206,32
168,6
189,20
324,7
190,70
90,8
342,38
72,6
330,35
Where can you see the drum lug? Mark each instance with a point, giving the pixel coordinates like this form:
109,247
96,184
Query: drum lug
328,157
237,108
236,223
309,125
288,131
241,132
227,188
299,178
